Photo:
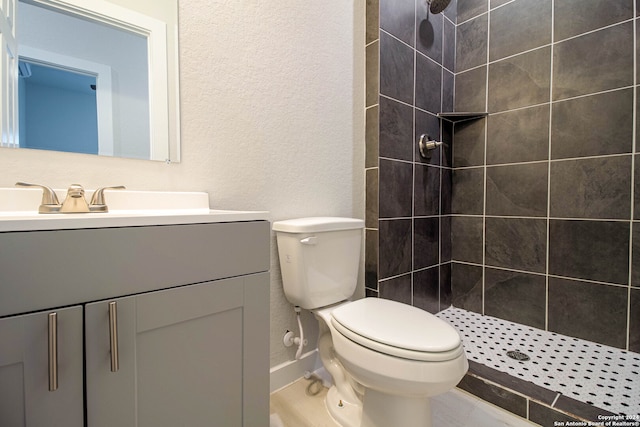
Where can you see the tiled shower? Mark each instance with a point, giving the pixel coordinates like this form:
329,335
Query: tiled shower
530,214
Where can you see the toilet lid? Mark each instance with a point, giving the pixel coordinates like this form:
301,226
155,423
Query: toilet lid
397,325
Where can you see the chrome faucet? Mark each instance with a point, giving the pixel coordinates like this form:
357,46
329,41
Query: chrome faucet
74,202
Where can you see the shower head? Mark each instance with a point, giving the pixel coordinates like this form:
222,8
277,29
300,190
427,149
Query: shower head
437,6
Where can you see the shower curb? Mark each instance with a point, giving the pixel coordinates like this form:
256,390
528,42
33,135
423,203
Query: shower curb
525,399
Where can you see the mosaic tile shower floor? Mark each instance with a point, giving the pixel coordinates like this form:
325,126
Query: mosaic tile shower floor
602,376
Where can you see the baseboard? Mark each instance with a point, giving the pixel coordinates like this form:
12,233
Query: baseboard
290,371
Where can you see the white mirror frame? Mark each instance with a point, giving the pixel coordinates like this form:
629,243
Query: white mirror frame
155,32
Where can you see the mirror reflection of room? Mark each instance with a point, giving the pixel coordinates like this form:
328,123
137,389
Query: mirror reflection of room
57,109
64,53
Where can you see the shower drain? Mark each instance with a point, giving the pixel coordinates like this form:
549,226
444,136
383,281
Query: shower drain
518,355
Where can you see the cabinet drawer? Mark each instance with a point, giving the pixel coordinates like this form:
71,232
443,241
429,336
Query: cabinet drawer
44,269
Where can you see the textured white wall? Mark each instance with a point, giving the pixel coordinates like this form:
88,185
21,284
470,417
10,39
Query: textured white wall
272,115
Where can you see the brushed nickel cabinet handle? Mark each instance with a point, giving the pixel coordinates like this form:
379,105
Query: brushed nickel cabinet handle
53,351
113,335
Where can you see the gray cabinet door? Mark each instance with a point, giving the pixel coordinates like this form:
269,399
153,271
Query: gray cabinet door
25,367
180,357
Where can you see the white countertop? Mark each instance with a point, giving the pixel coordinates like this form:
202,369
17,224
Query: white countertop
18,211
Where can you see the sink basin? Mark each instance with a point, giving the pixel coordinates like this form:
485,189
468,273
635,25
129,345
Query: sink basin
19,210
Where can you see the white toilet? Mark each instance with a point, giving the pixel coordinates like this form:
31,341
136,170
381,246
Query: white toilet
386,358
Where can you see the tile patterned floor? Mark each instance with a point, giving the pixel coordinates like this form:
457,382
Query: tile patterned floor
603,376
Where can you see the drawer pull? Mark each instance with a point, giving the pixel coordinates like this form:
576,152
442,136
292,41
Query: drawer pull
113,335
53,351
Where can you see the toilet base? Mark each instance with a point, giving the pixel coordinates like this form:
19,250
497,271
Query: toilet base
387,410
347,414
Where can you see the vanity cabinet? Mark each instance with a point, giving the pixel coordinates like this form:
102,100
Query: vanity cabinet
158,351
25,365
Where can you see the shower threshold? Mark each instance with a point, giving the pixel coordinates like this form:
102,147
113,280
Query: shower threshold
566,370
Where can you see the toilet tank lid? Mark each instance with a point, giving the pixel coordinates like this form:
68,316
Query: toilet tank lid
317,224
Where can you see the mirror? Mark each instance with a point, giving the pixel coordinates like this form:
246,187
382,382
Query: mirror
95,76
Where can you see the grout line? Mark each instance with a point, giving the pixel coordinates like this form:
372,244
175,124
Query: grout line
548,242
484,168
633,166
553,404
413,151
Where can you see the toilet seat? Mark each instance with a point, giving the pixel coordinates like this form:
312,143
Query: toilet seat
397,329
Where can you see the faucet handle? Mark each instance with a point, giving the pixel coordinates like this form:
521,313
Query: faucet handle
49,202
97,203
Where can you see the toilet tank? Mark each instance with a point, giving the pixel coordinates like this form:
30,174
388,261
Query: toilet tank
319,259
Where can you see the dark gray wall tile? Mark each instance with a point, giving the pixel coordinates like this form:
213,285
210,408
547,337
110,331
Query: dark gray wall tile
398,17
445,286
445,239
426,289
428,84
518,136
520,81
591,188
546,416
517,190
514,296
372,130
635,255
449,46
396,189
373,20
429,32
467,191
451,12
372,54
396,289
466,286
426,190
634,326
371,259
511,382
516,243
426,242
468,143
580,409
447,90
638,100
396,130
426,124
446,130
470,90
371,202
496,3
396,69
466,239
471,43
593,62
446,191
593,125
497,395
519,26
395,247
573,17
594,250
468,9
587,310
636,187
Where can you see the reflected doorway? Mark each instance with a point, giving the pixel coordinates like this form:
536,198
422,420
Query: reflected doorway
58,109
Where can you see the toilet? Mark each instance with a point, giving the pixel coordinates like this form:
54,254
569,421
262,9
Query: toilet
385,358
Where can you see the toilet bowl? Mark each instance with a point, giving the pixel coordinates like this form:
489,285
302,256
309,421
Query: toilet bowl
399,355
385,358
